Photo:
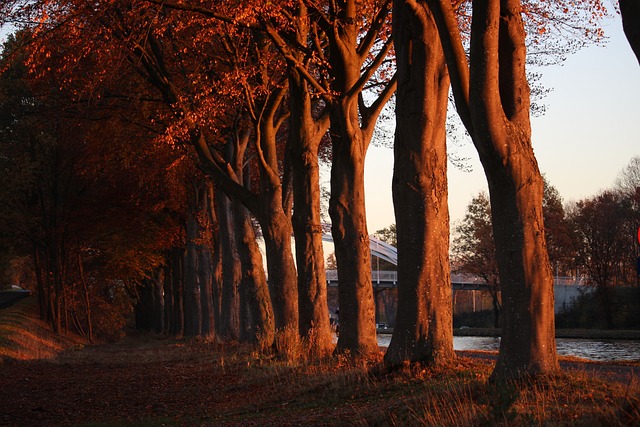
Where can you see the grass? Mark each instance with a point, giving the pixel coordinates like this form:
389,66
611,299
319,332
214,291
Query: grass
151,380
25,337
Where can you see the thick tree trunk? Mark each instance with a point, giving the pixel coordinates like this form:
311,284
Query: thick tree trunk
168,295
206,296
528,331
229,325
277,231
352,124
499,97
492,97
305,134
423,330
192,307
312,284
630,11
351,240
261,324
177,277
216,261
205,259
157,323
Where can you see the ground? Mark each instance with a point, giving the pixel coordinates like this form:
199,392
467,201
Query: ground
155,380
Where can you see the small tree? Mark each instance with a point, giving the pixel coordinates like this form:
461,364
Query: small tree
474,251
599,225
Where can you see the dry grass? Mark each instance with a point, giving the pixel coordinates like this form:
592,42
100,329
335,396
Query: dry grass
25,337
152,380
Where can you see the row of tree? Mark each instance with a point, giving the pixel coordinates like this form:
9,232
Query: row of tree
217,113
592,240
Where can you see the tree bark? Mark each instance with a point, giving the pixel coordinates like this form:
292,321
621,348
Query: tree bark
168,295
260,327
352,128
499,100
192,307
423,330
231,271
205,259
630,11
157,323
177,281
351,240
305,135
492,97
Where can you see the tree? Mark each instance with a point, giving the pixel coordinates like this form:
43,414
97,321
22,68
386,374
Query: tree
79,207
630,11
602,242
353,29
423,330
474,249
492,98
388,234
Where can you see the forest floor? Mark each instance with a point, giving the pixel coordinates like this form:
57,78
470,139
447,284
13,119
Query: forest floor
152,380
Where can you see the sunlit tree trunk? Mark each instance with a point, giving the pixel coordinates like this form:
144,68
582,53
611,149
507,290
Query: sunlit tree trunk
205,258
260,327
423,330
352,129
492,97
305,134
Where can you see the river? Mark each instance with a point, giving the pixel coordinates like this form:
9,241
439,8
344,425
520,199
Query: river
598,350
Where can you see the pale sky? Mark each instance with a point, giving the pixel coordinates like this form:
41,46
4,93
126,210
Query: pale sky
588,135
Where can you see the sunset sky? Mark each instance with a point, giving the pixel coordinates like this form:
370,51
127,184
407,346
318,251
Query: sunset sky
589,133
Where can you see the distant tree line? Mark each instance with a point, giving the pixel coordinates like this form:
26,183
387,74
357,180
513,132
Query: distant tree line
593,240
147,143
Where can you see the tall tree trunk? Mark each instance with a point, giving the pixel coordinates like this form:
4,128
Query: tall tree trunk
312,285
216,259
276,224
492,97
630,11
351,240
352,125
277,231
168,295
502,134
157,323
231,271
192,307
305,135
423,330
177,277
261,323
205,259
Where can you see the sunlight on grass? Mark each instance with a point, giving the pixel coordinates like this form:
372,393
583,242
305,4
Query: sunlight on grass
25,337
